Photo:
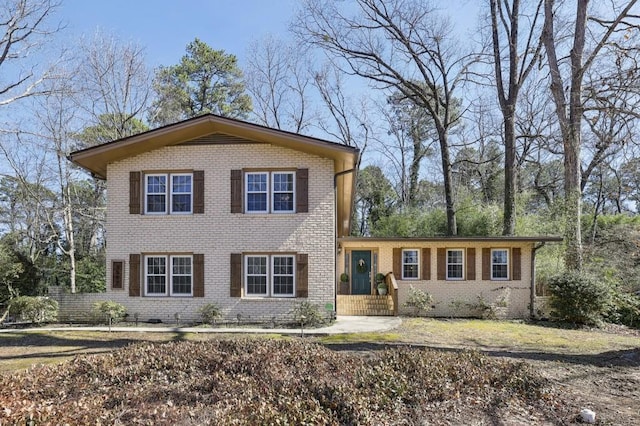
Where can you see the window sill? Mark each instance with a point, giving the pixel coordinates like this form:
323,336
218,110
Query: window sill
267,298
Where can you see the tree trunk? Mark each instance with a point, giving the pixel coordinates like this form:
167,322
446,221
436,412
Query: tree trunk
510,178
452,226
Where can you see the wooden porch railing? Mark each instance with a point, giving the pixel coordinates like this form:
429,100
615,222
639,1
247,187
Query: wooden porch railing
392,288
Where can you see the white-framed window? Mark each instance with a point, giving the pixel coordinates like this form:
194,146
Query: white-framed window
168,193
410,264
256,275
156,194
270,192
499,264
282,188
181,193
455,264
168,275
269,275
257,192
283,278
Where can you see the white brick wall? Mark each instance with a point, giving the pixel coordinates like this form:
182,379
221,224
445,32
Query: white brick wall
516,293
218,233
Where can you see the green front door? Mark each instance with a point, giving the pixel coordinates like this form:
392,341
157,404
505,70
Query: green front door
360,272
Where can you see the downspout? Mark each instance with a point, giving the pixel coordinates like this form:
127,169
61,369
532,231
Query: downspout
335,240
533,279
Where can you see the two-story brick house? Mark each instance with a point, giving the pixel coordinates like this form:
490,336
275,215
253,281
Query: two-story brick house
215,210
255,220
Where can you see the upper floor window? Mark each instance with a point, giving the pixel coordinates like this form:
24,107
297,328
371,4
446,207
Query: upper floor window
499,264
168,275
169,193
455,264
270,192
410,264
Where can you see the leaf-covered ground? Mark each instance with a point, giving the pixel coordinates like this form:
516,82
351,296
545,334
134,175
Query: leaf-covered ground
258,381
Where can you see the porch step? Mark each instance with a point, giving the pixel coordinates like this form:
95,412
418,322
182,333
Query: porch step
364,305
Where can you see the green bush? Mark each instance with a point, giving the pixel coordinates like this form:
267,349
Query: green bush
110,310
578,298
307,313
36,309
624,309
419,300
210,313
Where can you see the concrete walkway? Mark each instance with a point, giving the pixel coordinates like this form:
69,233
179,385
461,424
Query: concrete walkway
342,325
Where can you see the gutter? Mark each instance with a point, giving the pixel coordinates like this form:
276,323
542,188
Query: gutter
336,244
532,295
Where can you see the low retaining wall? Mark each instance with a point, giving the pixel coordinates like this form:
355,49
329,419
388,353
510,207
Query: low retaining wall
74,307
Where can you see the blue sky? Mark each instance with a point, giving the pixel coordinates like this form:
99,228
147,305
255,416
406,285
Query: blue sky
165,27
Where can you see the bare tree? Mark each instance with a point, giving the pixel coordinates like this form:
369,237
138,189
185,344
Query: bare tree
23,28
112,86
348,120
567,91
56,115
278,79
512,66
400,45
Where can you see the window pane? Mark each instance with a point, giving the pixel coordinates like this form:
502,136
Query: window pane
181,193
283,182
500,271
256,275
156,275
282,285
283,276
283,192
257,202
156,194
282,202
455,264
256,192
409,264
156,184
182,184
181,275
181,203
257,182
454,271
499,264
256,285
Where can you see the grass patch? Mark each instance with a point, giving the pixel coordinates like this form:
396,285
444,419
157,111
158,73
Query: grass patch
360,338
510,335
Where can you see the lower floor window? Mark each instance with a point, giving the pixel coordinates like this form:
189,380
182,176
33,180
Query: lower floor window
269,275
455,264
499,264
168,275
410,264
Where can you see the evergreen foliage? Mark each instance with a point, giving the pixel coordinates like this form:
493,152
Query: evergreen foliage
579,298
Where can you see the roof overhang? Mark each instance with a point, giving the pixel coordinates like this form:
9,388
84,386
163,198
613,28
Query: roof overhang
512,239
345,158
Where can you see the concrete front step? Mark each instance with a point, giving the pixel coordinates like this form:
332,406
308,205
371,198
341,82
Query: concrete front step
364,305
